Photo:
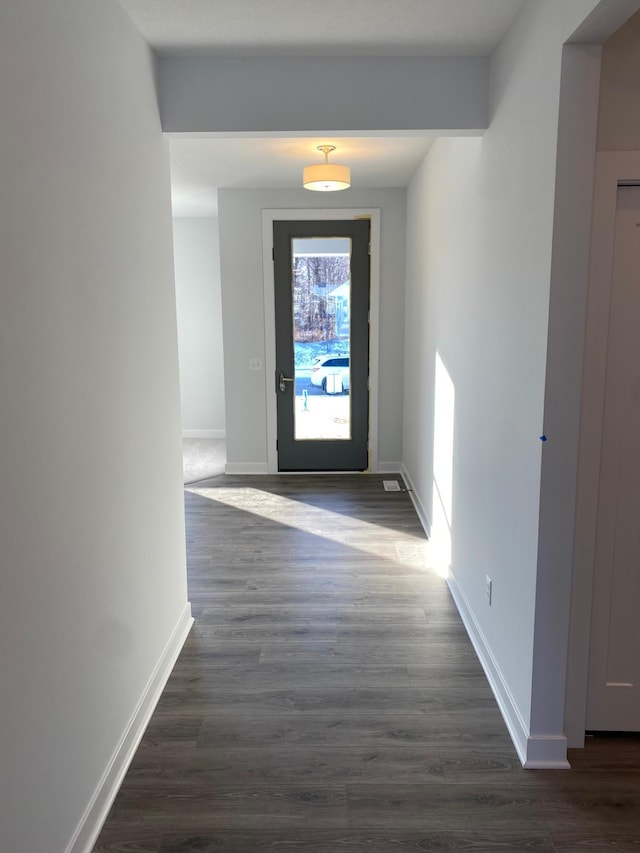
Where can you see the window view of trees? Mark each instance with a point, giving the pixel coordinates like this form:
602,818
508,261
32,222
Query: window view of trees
321,310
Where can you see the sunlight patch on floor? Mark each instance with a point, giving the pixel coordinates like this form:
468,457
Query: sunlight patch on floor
333,526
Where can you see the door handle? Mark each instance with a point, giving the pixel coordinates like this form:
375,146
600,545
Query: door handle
282,379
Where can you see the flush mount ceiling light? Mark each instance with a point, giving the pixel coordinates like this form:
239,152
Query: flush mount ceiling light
326,177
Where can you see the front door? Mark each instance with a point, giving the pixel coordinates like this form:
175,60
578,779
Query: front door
321,271
613,701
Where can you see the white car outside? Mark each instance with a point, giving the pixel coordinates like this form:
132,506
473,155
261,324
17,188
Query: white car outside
331,373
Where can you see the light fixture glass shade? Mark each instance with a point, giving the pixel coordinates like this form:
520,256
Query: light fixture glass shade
326,177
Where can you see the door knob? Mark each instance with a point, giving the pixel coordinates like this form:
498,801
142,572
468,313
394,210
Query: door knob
282,379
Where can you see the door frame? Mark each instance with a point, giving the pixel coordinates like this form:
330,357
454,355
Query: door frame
612,168
269,216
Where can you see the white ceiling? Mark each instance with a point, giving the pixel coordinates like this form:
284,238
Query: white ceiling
307,28
323,27
200,166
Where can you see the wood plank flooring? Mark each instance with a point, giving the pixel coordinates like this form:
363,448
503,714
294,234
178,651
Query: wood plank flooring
328,699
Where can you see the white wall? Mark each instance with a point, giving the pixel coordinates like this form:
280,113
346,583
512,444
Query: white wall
91,517
310,93
563,382
479,260
199,312
243,312
619,119
618,131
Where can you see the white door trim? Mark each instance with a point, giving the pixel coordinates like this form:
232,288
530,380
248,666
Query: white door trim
612,169
268,218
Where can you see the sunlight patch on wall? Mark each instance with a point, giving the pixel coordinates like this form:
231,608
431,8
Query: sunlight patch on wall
443,436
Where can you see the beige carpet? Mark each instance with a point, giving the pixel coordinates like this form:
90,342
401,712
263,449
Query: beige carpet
203,458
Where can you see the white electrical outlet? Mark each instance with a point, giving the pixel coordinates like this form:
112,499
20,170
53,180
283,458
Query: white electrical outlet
488,588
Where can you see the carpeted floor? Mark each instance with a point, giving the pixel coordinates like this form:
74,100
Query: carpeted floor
203,458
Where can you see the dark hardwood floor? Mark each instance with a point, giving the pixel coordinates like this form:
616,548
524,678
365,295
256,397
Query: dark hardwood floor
328,699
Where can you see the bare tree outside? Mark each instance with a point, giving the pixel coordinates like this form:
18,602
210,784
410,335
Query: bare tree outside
316,276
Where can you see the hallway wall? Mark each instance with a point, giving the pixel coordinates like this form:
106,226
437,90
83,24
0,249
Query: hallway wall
479,259
91,514
618,131
619,119
199,315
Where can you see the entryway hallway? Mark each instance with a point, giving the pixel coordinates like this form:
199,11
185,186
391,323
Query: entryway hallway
328,698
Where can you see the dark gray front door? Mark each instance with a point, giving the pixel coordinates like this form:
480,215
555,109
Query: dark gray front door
322,344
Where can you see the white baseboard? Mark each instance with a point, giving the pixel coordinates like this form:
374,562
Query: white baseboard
515,724
246,468
417,502
204,433
537,751
534,751
546,752
389,467
95,814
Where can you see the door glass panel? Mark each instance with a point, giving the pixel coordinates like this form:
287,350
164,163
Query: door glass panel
321,296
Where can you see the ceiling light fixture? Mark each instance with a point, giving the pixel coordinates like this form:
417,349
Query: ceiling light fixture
326,177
